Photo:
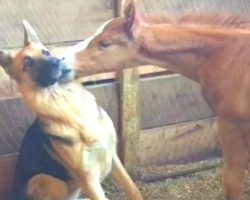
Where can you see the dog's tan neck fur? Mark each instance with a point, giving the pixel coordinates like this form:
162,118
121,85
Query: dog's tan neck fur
64,107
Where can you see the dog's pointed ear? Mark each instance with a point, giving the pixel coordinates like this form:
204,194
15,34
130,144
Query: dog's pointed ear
5,59
29,33
129,12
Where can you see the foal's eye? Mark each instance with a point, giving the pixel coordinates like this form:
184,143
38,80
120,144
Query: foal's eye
105,44
45,52
28,62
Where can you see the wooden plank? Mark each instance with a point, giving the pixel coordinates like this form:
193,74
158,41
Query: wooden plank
129,117
7,167
180,143
7,86
14,121
61,21
178,97
171,99
163,172
179,7
107,96
163,100
55,21
129,123
148,174
144,71
117,8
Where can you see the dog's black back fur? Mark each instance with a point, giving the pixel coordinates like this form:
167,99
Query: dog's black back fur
35,159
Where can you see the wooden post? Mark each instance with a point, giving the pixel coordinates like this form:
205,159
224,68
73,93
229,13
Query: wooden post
130,117
129,112
117,8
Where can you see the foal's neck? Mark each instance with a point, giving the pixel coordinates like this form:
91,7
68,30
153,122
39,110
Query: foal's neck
184,49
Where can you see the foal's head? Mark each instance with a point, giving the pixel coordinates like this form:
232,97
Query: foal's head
111,46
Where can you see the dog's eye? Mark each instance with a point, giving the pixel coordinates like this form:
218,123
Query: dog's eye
28,62
105,44
45,52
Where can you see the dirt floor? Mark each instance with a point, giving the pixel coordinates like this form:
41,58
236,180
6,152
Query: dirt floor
202,185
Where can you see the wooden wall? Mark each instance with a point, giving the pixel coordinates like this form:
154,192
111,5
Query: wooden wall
179,7
56,21
60,21
165,101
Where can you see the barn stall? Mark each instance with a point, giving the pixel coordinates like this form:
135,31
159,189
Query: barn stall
167,132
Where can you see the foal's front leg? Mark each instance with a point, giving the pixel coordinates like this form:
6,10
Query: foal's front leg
235,157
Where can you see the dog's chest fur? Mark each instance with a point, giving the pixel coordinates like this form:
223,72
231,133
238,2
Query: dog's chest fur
71,112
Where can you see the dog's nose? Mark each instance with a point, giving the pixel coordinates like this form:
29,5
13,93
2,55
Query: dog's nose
55,62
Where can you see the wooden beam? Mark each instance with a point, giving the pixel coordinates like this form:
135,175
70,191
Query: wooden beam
129,127
117,8
169,100
54,22
7,167
130,117
180,7
147,174
179,143
163,100
144,71
14,122
78,19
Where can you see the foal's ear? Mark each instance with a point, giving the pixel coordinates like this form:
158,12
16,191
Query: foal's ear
129,12
29,33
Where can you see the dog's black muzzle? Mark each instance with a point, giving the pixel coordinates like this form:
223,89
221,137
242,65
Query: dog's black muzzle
53,70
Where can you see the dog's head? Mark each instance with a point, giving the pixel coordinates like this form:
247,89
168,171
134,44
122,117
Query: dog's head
33,64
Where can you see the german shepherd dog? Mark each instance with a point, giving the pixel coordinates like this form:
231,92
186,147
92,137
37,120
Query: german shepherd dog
71,146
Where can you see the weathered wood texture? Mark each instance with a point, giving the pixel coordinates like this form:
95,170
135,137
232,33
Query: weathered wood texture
129,117
7,86
14,121
55,21
180,143
144,71
7,166
178,7
160,173
171,99
129,123
164,100
64,21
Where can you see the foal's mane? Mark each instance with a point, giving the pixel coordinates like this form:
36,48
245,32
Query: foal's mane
218,20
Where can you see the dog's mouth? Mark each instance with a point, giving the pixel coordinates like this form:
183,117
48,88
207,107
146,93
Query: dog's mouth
54,72
67,75
62,75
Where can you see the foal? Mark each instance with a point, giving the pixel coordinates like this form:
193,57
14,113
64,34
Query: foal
212,50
